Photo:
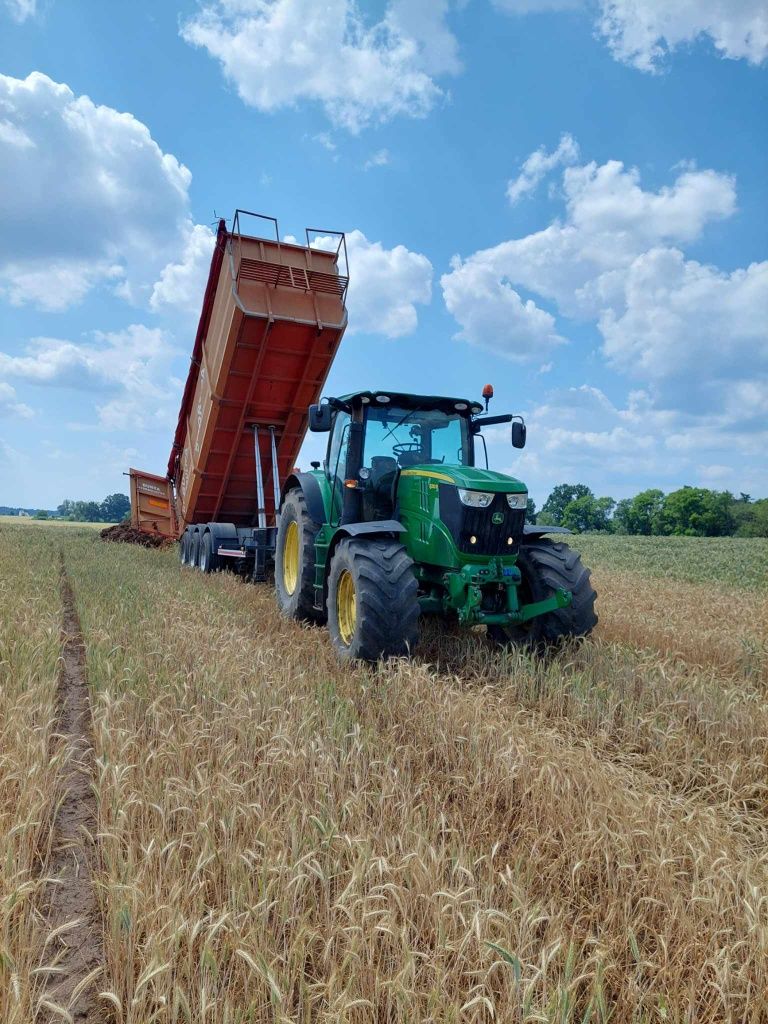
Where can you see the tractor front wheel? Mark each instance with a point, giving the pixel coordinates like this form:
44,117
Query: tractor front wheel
547,566
373,605
295,560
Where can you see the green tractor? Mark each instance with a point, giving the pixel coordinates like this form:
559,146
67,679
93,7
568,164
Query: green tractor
400,522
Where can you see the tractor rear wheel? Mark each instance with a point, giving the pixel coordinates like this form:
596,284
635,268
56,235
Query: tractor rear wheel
295,560
373,604
547,565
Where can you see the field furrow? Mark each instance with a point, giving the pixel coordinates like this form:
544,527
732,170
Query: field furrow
30,760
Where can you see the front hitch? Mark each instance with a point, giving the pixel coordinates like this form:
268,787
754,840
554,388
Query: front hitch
465,596
560,599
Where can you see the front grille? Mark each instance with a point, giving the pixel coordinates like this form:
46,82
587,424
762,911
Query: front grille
465,522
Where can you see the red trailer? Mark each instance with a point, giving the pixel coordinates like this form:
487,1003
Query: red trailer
272,319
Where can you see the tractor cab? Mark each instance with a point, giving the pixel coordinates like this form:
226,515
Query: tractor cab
374,436
377,436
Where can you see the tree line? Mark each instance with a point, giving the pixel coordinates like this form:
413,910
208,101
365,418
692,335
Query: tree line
113,509
686,512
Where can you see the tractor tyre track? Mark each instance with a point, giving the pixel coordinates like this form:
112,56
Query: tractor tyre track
70,898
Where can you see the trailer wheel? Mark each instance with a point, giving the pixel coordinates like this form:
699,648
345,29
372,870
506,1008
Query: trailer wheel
194,549
373,604
208,560
545,566
184,548
295,560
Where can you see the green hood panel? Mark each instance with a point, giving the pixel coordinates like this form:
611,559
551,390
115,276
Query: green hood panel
469,478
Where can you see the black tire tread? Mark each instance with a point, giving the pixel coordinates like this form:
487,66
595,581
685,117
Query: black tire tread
387,599
301,604
556,565
207,542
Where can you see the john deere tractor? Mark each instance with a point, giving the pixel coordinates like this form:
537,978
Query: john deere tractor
400,521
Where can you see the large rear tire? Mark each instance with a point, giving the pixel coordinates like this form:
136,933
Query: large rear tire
295,560
546,566
373,604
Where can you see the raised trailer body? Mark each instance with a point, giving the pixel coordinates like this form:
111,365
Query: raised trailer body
272,319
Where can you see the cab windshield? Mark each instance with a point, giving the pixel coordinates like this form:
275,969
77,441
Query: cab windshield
410,437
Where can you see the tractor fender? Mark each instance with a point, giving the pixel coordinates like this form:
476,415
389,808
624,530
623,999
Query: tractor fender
380,528
313,496
367,529
533,531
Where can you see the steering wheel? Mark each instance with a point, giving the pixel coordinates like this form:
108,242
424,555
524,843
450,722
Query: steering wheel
406,448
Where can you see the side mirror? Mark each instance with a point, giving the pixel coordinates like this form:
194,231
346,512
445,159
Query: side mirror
518,434
320,418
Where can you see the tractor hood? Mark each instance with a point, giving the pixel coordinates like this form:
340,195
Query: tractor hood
469,478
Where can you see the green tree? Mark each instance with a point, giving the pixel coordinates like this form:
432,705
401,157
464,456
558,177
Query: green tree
752,518
64,510
41,514
621,516
588,513
697,512
530,511
644,512
115,507
86,511
562,495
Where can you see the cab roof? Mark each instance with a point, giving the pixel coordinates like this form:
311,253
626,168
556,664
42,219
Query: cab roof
410,401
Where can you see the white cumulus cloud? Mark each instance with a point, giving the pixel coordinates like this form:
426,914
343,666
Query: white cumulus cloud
181,284
9,405
539,164
280,52
87,197
689,332
385,287
643,32
128,372
690,329
493,315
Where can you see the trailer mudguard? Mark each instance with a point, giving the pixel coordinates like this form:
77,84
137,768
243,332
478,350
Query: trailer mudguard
313,496
222,532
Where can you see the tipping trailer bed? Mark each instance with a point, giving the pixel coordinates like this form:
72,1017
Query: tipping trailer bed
272,319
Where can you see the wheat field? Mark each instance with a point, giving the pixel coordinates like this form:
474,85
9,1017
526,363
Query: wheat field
471,836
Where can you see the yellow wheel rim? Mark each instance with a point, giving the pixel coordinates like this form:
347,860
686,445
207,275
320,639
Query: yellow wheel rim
291,557
346,606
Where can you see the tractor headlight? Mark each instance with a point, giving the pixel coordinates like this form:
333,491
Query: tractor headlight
476,499
518,500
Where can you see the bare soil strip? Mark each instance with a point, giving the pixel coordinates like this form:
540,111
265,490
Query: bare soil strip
77,950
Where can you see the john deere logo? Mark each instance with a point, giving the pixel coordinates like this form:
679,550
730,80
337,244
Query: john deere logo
497,518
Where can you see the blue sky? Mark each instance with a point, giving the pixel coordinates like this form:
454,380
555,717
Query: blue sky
564,198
